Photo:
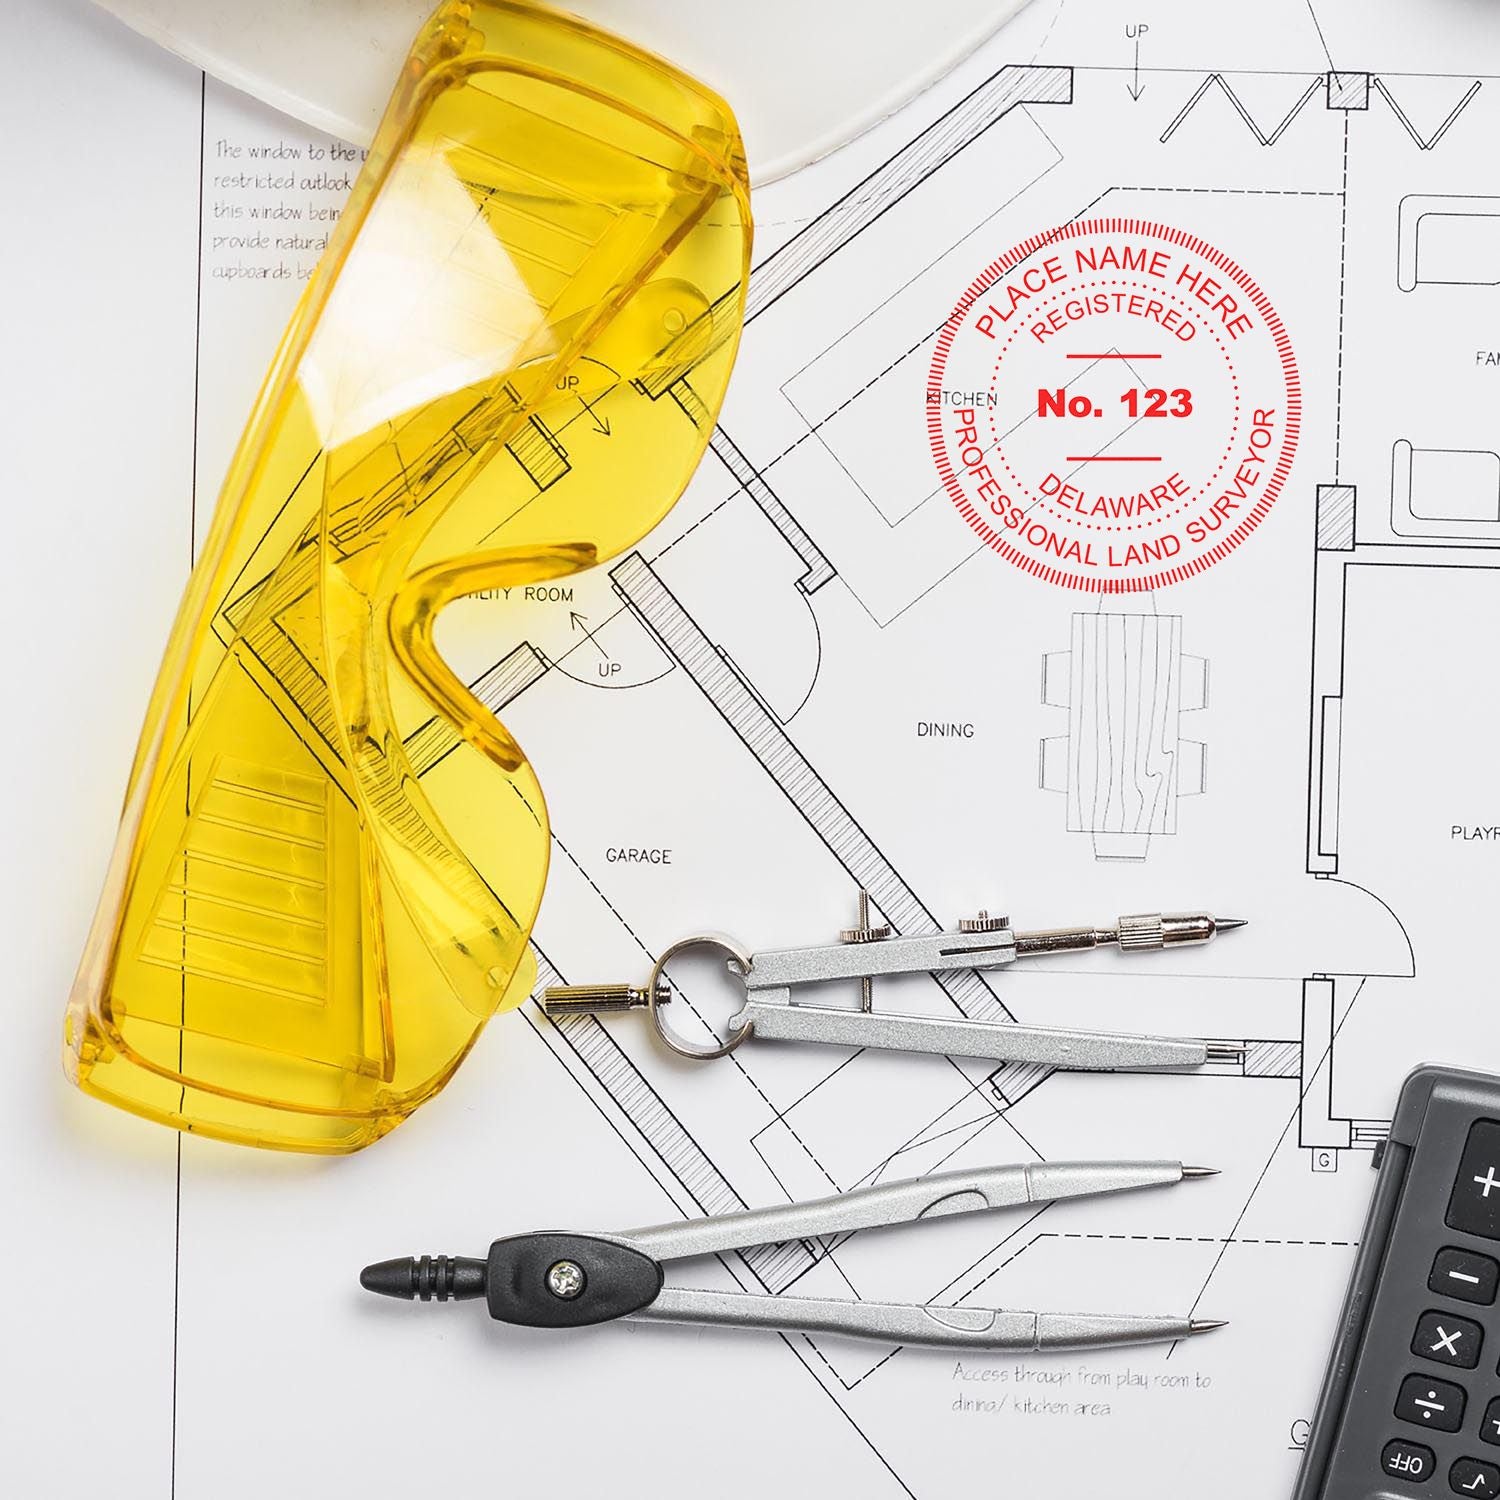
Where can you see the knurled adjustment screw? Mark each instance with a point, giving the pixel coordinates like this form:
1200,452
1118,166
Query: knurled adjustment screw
1141,932
866,932
984,922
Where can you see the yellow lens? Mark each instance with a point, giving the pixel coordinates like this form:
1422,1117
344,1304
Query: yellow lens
331,854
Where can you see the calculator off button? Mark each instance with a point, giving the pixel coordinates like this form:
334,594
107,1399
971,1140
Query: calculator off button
1475,1204
1409,1461
1435,1404
1466,1275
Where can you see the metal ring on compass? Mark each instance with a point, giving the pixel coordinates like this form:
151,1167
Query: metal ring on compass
654,986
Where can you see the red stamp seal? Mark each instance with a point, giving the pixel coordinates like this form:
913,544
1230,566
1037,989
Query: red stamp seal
1113,405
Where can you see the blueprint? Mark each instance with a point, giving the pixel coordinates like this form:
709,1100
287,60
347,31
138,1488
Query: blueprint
961,616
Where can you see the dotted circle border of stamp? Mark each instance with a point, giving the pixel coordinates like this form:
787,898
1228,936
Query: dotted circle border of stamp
1039,567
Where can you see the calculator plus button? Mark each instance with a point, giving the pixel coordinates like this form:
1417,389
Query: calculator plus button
1409,1461
1470,1476
1449,1340
1465,1274
1475,1204
1436,1404
1489,1429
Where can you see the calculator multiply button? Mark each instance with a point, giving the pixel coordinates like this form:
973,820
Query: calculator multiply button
1448,1339
1409,1461
1466,1275
1475,1204
1435,1404
1472,1476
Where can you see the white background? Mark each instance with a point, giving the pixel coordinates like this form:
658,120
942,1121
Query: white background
251,1365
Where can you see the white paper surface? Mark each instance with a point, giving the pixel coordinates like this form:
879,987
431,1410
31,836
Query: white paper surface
1308,723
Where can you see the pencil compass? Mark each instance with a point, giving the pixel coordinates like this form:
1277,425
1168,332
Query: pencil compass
871,951
565,1279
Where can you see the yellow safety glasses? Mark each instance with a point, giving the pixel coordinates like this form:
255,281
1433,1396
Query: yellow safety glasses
504,370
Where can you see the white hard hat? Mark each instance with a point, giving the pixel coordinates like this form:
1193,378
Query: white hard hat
803,76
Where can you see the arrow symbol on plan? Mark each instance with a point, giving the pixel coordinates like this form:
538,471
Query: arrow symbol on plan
601,424
578,621
1135,88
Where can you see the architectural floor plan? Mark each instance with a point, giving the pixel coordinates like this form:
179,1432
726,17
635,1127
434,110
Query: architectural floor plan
857,673
816,679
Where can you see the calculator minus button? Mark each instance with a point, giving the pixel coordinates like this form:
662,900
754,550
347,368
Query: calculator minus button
1466,1275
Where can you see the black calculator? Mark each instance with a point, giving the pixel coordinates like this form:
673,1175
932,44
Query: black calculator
1410,1404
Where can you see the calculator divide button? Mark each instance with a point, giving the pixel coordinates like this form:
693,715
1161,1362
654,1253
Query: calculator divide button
1448,1339
1437,1405
1474,1206
1465,1275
